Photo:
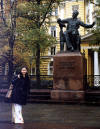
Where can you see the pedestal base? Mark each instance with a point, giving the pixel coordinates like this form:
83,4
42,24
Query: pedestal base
68,81
68,95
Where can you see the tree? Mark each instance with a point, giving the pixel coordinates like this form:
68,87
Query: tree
32,27
20,56
8,18
12,28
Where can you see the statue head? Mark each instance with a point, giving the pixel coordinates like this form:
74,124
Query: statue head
75,14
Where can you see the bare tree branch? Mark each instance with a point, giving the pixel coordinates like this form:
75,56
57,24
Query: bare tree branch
45,15
95,4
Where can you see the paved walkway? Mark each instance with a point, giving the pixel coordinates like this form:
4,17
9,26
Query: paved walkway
46,116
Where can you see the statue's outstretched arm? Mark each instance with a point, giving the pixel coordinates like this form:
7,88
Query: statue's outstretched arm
65,20
86,25
60,23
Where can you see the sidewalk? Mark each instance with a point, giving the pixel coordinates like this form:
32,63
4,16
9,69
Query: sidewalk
42,126
46,116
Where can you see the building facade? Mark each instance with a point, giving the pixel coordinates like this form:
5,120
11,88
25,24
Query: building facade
87,15
64,10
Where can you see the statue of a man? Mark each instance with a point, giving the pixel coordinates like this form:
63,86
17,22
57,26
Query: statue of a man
71,35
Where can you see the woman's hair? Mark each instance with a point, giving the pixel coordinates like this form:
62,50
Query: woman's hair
26,75
24,67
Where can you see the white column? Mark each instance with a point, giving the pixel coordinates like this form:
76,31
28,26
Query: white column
96,63
99,66
96,69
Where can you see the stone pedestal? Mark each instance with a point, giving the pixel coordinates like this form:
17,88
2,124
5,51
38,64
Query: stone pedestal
68,81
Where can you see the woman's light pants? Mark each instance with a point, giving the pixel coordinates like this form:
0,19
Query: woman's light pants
17,113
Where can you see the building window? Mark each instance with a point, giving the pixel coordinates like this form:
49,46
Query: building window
53,50
33,71
73,0
75,7
62,5
50,68
53,31
54,12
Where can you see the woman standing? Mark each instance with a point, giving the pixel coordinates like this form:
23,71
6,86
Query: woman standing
20,91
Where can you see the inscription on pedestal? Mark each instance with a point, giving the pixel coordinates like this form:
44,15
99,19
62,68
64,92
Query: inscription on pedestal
66,65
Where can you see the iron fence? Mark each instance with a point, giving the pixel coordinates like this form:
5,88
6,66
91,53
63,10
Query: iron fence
93,81
46,82
90,81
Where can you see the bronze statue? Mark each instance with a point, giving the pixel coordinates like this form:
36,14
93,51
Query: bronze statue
71,36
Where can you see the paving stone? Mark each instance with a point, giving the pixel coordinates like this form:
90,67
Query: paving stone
52,116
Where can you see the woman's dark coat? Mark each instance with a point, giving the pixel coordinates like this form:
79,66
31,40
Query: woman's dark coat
21,88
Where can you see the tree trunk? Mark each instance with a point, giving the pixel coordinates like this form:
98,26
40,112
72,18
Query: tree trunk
10,73
38,79
12,38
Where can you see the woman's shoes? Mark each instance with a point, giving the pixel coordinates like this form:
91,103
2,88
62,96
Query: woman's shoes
13,122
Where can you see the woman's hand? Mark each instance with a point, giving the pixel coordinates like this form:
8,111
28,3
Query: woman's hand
18,75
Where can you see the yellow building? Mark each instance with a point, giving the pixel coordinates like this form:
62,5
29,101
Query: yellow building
65,10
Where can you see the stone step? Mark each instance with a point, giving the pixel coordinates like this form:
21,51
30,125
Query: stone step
93,95
51,101
39,94
41,97
40,91
44,96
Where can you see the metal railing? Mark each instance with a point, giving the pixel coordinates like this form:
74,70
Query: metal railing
93,81
46,82
90,81
42,77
